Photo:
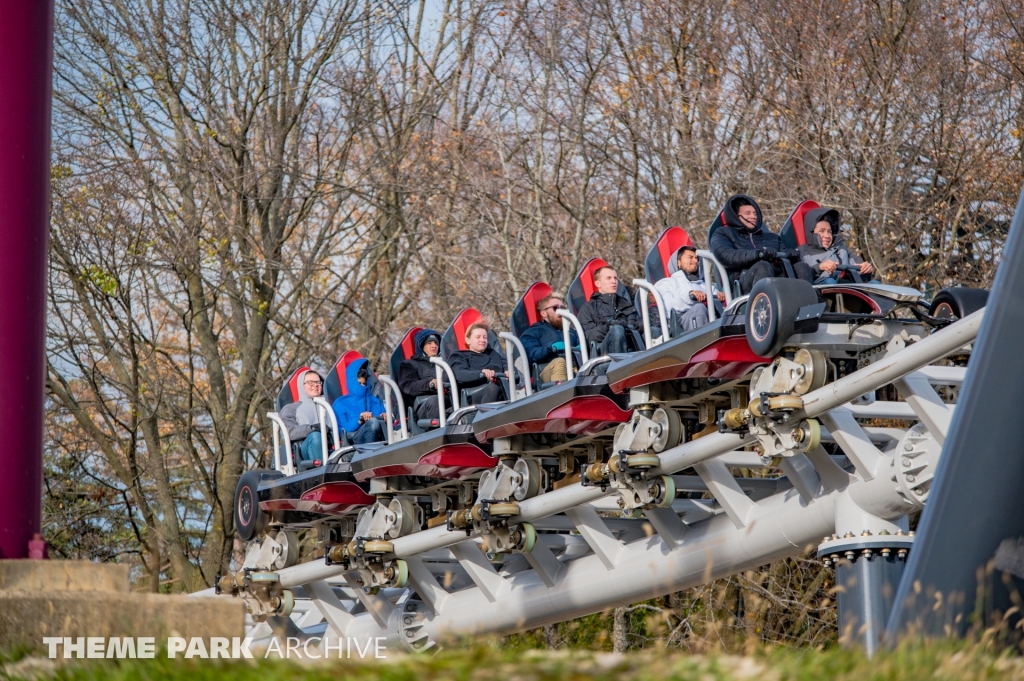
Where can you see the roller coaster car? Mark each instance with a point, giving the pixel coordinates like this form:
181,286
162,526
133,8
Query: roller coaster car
847,323
470,473
436,458
316,492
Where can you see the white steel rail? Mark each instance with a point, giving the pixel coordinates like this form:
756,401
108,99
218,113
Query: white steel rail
644,285
440,366
391,388
278,427
584,352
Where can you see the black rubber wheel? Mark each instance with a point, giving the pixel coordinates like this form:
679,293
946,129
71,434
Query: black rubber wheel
772,310
250,519
958,302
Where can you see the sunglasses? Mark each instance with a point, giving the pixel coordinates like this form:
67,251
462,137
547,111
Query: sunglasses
553,307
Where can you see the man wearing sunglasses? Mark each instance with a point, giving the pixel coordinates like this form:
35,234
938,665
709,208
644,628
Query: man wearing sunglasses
544,342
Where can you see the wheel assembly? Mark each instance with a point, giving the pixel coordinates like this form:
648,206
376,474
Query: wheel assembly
814,367
529,471
671,429
405,518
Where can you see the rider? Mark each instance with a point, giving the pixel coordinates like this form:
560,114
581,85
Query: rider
544,342
360,413
417,377
826,250
479,364
748,251
684,292
609,318
302,419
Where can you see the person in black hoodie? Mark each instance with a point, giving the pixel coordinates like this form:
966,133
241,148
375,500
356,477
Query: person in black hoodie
480,365
608,318
418,377
748,250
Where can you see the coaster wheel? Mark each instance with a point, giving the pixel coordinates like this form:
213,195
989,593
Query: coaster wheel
667,494
671,429
399,573
957,302
378,546
527,537
250,519
503,509
772,310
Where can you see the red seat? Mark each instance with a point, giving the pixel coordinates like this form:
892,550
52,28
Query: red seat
794,231
524,314
658,264
335,384
454,337
582,287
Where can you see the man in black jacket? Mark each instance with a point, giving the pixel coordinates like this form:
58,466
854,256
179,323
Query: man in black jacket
417,376
748,250
609,318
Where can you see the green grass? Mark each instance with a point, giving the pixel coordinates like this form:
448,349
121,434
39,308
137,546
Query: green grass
955,662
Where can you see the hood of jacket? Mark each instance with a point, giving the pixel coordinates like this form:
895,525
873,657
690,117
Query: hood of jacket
673,265
352,384
306,412
732,218
813,217
421,338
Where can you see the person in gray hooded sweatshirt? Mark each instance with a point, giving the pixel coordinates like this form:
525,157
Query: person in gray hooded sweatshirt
301,418
826,250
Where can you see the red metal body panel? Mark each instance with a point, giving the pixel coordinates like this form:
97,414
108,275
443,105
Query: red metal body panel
729,357
856,294
584,415
449,462
331,498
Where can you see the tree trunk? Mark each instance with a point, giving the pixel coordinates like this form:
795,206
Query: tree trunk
620,642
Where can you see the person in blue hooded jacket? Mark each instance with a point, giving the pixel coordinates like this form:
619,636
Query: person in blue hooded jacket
360,413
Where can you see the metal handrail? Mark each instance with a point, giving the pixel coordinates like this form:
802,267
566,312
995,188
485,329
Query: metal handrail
584,355
589,365
389,388
322,403
440,365
645,313
709,288
511,342
278,424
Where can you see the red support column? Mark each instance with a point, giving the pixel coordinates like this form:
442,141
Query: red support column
26,56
